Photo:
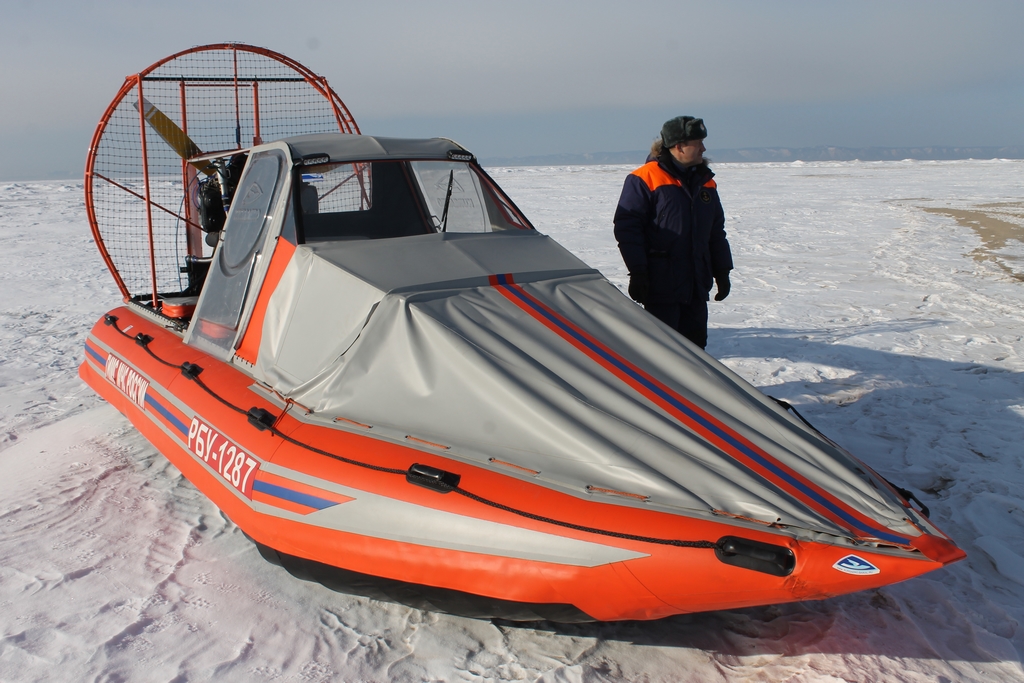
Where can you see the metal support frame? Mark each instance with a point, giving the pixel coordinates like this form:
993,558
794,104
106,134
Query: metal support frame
145,184
134,84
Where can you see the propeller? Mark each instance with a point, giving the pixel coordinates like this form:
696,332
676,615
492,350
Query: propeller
174,136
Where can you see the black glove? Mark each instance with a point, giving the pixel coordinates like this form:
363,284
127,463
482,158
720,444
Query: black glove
639,286
722,280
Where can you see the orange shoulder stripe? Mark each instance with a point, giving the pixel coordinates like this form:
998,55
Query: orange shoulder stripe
654,176
250,346
711,184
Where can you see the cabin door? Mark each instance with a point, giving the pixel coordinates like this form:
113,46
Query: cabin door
235,265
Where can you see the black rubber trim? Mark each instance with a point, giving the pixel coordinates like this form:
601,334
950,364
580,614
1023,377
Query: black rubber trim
419,596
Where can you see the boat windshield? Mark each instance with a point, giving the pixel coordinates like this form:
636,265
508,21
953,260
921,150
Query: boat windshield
381,199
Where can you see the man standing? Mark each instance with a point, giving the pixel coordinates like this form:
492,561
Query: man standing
670,227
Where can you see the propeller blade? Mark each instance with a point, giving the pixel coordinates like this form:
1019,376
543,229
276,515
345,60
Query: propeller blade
174,136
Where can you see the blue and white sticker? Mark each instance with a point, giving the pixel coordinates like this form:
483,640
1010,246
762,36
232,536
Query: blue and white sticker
851,564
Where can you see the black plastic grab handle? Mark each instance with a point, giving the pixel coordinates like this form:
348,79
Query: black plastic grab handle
771,559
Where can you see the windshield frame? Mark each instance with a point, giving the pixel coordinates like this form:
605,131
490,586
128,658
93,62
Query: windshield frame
493,195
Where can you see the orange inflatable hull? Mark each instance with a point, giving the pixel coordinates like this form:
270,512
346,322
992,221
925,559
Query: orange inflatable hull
279,493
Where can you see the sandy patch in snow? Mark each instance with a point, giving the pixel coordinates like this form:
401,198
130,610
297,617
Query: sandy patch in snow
1002,239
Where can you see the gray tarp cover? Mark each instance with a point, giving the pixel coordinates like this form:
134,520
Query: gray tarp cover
409,335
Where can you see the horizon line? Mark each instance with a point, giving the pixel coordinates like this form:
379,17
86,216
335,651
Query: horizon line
778,154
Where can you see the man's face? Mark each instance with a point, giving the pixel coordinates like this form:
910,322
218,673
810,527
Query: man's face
689,153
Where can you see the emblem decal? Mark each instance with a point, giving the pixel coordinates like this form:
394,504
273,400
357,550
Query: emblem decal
252,194
705,196
851,564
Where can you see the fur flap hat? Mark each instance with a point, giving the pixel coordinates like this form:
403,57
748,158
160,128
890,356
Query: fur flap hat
681,129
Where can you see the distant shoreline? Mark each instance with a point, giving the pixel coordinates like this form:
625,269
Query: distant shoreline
747,154
777,154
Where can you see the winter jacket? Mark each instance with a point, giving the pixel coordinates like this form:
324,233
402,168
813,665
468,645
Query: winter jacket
671,224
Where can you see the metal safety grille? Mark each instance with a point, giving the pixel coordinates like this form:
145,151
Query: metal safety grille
207,99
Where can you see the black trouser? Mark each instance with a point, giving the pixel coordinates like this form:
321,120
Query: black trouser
689,319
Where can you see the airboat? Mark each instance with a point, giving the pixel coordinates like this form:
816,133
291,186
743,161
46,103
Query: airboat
365,355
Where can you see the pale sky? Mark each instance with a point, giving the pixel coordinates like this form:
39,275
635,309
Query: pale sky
523,78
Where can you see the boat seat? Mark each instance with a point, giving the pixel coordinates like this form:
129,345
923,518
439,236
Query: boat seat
309,199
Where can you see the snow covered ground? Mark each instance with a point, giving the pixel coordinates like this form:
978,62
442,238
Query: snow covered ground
885,300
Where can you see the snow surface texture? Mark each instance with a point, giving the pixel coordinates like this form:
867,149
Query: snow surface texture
885,300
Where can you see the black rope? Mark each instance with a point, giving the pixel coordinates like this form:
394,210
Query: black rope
341,458
500,506
143,341
265,421
578,527
211,392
